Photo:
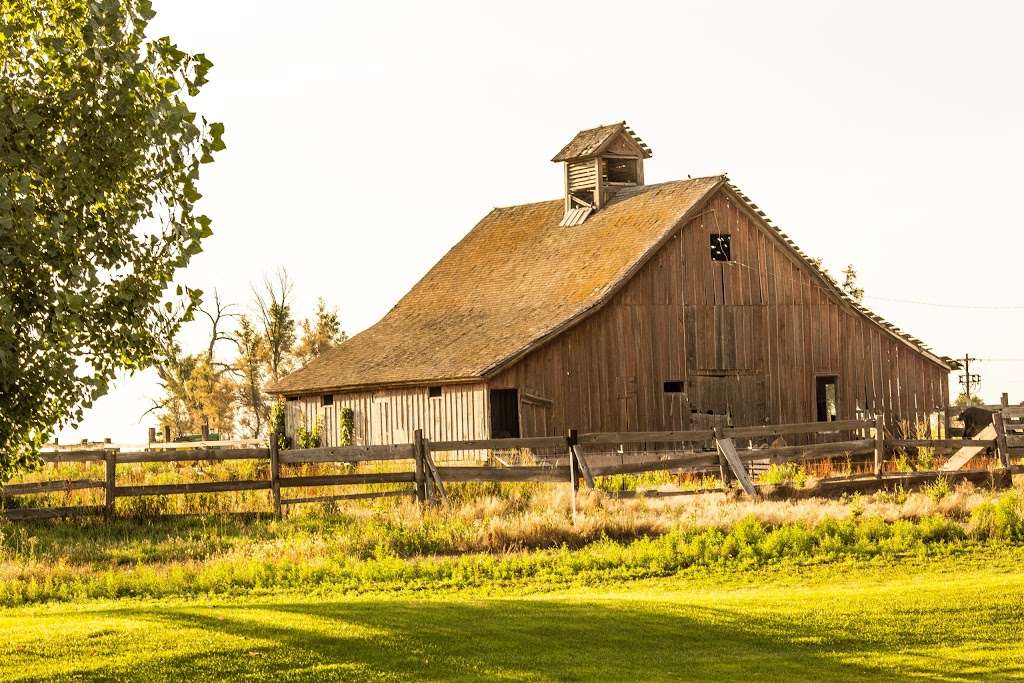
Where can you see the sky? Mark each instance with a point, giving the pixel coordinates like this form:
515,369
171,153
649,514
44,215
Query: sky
365,139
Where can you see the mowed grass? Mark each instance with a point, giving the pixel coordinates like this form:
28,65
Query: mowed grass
954,618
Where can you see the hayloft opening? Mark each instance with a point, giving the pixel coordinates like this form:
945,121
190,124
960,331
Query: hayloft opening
434,392
675,386
619,170
504,413
825,397
583,197
721,247
327,400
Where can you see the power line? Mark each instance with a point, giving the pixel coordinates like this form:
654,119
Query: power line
940,305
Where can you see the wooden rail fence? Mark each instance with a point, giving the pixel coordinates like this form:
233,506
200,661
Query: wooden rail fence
720,451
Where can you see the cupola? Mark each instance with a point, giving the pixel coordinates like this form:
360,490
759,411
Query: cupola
598,163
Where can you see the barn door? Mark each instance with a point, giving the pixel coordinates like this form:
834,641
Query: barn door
741,397
504,413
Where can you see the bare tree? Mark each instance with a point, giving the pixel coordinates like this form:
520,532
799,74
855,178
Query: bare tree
274,308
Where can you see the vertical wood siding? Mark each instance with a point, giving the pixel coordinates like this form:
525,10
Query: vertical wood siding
748,336
392,416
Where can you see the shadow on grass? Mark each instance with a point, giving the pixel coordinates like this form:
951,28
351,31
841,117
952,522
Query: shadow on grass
525,639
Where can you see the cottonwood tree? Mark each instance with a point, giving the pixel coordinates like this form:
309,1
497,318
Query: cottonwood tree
319,333
198,388
250,367
99,159
274,312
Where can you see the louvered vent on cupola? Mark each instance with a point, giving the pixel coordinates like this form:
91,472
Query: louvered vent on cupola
598,163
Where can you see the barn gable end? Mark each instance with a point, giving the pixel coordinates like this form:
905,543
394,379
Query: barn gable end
752,337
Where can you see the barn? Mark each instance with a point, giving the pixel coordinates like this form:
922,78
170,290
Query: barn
620,306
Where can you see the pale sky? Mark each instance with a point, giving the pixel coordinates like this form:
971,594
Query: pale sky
365,139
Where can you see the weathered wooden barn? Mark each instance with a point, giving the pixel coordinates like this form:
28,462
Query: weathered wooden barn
618,307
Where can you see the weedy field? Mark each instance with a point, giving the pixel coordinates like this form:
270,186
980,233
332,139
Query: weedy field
499,583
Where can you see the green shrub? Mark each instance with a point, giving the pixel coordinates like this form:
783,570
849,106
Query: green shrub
1002,519
787,473
938,489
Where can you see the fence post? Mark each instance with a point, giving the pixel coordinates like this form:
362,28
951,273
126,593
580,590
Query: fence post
724,471
879,443
150,436
421,479
275,472
167,433
574,481
1001,445
424,487
110,461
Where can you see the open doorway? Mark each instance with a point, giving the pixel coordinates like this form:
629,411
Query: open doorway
504,413
826,398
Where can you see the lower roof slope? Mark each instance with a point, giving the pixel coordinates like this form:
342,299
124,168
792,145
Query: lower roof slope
513,280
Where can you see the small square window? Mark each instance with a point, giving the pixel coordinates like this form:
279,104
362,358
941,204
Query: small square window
327,400
721,247
675,387
434,392
292,398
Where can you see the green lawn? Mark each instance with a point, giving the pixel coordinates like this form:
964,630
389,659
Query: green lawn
956,618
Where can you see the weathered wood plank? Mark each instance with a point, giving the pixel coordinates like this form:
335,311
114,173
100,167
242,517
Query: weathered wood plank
537,442
73,456
29,488
810,451
728,450
614,438
236,443
347,496
524,473
210,454
434,474
17,514
967,453
797,428
834,486
653,493
940,443
195,487
694,461
348,454
588,475
348,479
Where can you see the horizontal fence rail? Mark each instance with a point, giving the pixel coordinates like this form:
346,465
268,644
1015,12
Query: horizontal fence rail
727,452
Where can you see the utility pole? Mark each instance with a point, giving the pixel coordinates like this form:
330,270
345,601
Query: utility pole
967,379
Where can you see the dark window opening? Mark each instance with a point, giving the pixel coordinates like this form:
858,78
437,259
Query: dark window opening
619,170
504,413
434,392
327,400
675,387
584,197
721,247
826,398
292,398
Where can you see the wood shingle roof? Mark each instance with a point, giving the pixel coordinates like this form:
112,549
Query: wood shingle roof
514,280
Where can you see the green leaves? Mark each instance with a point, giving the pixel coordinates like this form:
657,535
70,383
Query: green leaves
93,128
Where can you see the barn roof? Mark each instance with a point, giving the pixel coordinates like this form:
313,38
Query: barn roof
592,141
516,278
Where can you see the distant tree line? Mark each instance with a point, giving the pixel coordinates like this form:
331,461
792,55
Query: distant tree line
222,385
